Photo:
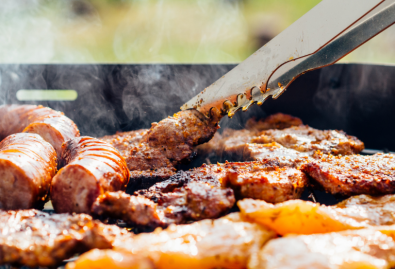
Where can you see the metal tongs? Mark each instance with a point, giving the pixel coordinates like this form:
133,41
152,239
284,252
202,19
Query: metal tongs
324,35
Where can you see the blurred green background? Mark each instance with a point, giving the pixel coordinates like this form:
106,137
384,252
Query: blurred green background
154,31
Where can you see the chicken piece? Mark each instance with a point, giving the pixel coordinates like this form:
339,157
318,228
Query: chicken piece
94,167
276,121
33,238
306,139
53,126
367,248
194,201
97,259
227,242
303,217
356,174
27,165
125,141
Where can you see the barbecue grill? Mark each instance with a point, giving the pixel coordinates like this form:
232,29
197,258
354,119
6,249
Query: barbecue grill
357,98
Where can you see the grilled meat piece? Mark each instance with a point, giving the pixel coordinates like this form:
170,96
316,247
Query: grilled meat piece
33,238
300,138
53,126
303,217
284,156
154,153
306,139
194,201
276,121
368,248
177,136
227,242
356,174
94,167
267,180
27,165
125,141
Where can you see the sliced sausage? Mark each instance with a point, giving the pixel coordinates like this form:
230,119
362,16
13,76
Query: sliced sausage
51,125
27,165
93,168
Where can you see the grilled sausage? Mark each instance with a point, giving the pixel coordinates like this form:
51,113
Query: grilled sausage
93,168
27,165
51,125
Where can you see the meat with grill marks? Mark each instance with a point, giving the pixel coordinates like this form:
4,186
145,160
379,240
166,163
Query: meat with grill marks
93,168
53,126
301,138
191,202
27,166
202,193
152,155
33,238
355,174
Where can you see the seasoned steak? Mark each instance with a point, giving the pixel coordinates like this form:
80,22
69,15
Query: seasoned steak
306,139
275,121
153,154
177,136
284,156
267,180
191,202
33,238
355,174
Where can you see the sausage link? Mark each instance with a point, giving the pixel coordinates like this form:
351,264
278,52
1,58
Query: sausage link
93,168
27,166
51,125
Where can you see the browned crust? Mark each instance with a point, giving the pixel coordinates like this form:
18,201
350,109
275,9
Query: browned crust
52,125
275,121
356,174
33,238
27,165
94,167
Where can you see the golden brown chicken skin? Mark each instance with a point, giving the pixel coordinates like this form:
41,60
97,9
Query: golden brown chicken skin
227,242
27,166
53,126
33,238
352,175
304,217
367,248
93,168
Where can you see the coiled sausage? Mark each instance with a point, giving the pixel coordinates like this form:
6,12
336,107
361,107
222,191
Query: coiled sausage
27,165
93,168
